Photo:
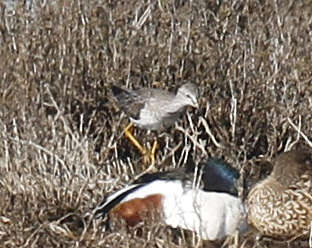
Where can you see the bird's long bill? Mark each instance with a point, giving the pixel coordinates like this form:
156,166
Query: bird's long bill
195,105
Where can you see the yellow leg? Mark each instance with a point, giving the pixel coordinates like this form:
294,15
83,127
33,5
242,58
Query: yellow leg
134,141
153,151
148,155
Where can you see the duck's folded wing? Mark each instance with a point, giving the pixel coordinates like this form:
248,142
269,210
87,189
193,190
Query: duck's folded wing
113,200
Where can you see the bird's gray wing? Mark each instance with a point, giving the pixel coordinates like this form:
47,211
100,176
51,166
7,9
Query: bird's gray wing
131,102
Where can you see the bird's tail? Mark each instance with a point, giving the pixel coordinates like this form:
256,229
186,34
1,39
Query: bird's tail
119,92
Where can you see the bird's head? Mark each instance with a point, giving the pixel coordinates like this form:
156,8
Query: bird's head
219,176
289,166
190,93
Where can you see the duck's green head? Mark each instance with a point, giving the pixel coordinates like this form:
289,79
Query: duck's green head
219,176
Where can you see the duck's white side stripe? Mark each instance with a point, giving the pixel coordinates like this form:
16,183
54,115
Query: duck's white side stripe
116,194
167,188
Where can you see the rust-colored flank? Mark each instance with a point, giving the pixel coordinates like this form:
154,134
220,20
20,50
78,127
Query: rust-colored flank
133,211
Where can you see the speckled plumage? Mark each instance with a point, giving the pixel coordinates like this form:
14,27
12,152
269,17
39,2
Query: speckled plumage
281,205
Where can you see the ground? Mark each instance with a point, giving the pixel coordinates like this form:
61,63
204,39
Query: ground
61,135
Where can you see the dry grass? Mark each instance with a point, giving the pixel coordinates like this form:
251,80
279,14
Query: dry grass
61,146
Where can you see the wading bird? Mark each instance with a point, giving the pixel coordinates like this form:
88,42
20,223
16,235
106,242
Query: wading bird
154,109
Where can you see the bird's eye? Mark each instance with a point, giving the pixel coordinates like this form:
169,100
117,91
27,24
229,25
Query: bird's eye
189,96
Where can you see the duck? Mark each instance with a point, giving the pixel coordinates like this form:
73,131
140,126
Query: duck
213,210
153,109
280,206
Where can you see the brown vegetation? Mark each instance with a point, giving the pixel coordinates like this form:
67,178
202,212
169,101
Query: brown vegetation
61,145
